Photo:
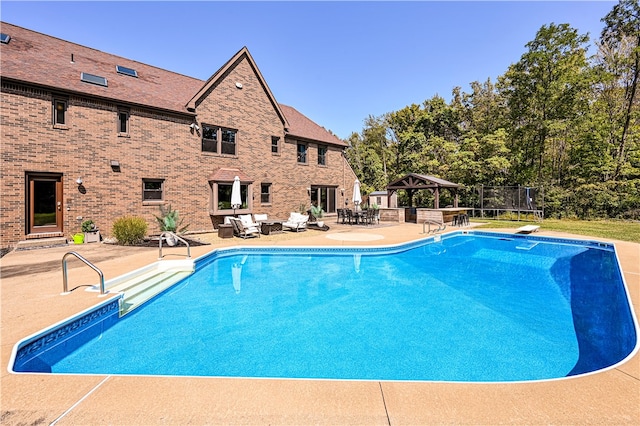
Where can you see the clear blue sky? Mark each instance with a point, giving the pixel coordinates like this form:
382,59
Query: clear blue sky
335,62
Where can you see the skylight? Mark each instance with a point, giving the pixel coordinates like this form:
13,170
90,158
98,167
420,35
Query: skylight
126,71
93,79
4,38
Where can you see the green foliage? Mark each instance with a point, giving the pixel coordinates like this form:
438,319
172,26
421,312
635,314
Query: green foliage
170,220
317,211
610,229
129,230
88,226
556,119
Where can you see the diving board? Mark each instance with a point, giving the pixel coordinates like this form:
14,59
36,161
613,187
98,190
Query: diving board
527,229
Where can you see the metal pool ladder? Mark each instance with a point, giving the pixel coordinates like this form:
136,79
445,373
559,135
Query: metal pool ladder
65,287
176,237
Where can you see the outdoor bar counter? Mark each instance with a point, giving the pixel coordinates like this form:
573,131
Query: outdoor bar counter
447,213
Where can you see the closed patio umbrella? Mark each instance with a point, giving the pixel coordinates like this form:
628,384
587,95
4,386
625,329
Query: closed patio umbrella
236,198
357,197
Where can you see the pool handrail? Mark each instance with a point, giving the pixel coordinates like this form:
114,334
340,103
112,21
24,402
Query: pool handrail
178,238
65,286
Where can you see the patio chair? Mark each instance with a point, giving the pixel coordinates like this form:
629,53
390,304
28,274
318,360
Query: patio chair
260,217
297,222
240,230
371,217
341,216
247,220
349,215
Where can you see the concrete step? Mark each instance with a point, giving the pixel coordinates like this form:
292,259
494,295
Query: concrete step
38,243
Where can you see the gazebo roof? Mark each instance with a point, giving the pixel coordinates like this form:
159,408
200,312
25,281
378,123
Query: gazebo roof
417,181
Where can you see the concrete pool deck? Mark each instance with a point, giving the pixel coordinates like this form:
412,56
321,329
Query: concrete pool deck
32,283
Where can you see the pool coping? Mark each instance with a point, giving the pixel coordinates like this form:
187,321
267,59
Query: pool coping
100,317
610,396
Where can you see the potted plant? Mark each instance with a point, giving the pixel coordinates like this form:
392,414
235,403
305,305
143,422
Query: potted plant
170,221
91,233
318,213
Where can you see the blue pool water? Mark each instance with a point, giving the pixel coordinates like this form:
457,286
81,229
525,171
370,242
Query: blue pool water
466,308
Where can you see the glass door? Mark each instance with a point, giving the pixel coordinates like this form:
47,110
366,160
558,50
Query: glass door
45,204
324,196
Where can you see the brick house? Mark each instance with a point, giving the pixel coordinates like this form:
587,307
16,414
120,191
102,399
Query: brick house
90,135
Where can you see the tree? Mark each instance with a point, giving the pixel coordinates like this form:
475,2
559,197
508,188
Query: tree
545,91
620,59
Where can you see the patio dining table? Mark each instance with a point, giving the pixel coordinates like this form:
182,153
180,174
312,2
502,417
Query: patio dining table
359,216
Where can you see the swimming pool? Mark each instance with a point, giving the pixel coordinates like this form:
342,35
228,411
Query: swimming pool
473,306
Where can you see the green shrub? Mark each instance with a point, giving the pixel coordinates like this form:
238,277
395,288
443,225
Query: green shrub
129,230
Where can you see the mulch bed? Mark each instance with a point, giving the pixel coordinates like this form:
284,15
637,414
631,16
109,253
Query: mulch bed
154,243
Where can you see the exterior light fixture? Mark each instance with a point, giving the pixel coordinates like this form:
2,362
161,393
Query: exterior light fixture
79,181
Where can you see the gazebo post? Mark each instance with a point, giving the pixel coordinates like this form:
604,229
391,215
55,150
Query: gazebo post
436,201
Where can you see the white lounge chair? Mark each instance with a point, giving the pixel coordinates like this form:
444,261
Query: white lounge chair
297,222
260,217
240,230
247,220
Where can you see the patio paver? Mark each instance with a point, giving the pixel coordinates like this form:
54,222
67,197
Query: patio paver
31,300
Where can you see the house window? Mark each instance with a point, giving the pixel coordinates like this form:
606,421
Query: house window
265,193
59,112
302,153
221,198
228,141
324,196
123,122
379,201
209,138
212,134
152,189
322,155
275,145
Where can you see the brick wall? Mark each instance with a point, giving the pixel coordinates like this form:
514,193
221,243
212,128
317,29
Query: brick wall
159,145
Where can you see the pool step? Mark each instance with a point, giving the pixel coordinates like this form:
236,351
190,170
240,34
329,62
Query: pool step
143,284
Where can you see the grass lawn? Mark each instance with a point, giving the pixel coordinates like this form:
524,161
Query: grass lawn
611,229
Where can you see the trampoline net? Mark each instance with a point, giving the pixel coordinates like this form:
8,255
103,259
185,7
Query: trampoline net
518,198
